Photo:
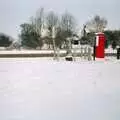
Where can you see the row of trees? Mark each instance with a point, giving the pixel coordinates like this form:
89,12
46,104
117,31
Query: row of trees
53,30
45,27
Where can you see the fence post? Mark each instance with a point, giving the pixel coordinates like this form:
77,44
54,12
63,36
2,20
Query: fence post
118,53
94,49
81,52
89,53
85,52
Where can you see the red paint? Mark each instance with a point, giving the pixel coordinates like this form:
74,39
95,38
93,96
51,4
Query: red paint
100,45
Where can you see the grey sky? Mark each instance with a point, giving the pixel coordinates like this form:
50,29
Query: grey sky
15,12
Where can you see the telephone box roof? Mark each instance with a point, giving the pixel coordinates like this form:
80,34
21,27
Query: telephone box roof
99,33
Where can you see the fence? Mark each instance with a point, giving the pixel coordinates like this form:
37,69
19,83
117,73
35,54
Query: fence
82,52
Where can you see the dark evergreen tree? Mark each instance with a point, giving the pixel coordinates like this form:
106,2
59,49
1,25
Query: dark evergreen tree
29,37
5,40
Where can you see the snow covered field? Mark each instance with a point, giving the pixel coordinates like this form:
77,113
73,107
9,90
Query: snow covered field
41,89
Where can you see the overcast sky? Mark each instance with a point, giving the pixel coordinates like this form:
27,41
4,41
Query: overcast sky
15,12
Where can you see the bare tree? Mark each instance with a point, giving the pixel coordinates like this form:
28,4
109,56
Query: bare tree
39,20
37,24
52,24
97,24
68,23
51,20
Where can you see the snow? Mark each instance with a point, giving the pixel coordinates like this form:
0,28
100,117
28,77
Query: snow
110,50
42,89
30,52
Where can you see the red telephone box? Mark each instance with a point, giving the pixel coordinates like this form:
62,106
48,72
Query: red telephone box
100,45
